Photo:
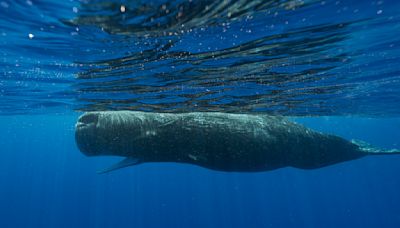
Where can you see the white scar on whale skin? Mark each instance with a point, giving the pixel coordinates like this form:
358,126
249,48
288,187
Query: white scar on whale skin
218,141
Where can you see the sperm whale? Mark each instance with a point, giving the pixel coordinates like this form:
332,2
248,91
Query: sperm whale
217,141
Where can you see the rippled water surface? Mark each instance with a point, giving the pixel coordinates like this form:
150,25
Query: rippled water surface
288,57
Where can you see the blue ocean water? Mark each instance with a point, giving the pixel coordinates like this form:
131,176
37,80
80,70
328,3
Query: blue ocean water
330,65
46,182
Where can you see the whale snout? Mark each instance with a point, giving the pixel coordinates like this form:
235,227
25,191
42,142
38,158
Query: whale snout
87,119
111,133
86,133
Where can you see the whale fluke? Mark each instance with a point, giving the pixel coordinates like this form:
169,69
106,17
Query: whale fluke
372,150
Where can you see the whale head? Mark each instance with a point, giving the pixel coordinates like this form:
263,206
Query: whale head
106,133
88,134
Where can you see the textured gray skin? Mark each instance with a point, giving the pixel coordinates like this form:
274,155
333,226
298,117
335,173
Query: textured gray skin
218,141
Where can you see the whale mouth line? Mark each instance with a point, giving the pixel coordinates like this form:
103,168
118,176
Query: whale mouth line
87,120
81,125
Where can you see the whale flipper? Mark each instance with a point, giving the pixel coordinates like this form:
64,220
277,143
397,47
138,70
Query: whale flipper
121,164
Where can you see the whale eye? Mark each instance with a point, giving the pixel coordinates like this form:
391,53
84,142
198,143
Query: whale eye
89,118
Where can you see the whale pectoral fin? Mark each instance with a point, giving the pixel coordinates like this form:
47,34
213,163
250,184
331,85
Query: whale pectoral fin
122,164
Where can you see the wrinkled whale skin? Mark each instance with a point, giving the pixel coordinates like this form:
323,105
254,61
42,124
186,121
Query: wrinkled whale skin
218,141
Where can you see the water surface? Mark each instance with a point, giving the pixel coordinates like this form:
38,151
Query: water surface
286,57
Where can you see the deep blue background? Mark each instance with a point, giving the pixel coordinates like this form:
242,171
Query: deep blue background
46,182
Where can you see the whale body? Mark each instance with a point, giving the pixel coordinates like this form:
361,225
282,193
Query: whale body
218,141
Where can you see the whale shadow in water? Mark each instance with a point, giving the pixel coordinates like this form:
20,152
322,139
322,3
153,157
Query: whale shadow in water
217,141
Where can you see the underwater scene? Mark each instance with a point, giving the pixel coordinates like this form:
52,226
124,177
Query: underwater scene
199,113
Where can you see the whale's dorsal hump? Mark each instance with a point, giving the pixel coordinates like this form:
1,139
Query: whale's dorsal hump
121,164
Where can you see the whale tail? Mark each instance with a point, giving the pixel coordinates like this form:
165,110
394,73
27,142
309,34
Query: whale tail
372,150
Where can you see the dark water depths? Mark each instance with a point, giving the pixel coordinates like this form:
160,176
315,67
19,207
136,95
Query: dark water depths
282,57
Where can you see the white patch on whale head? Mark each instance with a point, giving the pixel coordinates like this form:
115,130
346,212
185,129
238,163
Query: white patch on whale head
191,156
151,133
